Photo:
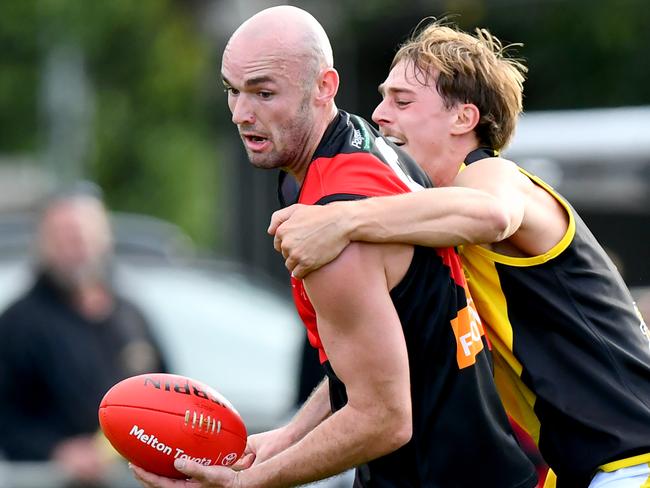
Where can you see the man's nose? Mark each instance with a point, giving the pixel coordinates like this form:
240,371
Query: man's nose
242,112
380,115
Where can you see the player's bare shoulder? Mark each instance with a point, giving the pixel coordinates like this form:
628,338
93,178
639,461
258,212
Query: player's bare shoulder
545,218
489,173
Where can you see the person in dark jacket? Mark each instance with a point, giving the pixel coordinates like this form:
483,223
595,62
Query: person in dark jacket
66,341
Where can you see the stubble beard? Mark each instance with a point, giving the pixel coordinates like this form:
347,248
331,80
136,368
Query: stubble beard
294,133
75,278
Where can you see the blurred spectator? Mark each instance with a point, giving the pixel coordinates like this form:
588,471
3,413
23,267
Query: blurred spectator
67,341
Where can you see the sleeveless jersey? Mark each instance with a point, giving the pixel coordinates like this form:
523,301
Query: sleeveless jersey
572,353
461,436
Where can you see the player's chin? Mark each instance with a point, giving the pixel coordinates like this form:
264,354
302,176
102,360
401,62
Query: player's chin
263,164
270,158
263,161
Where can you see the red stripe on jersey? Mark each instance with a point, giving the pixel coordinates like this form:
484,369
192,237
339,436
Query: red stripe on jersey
355,174
452,261
308,316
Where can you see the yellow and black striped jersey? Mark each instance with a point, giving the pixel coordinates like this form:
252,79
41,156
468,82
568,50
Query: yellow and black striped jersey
571,351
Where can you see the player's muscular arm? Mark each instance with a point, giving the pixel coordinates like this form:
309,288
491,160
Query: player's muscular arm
363,338
535,221
310,236
490,202
485,205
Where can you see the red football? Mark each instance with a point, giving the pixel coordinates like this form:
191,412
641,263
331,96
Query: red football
153,419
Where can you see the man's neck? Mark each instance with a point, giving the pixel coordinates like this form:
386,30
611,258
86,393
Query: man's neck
93,301
446,173
299,170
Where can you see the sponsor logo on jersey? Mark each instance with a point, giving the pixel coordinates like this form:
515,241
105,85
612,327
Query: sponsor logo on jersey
357,139
468,331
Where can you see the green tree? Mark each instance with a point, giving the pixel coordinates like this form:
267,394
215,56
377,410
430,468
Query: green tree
151,148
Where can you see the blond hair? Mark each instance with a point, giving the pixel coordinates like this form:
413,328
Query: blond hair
470,69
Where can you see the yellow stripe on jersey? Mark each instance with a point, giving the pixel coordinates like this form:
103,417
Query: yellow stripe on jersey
625,463
551,253
486,292
551,479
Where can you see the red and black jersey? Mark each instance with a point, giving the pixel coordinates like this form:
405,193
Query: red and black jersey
461,436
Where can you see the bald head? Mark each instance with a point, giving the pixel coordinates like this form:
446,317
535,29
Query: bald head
278,71
288,33
74,239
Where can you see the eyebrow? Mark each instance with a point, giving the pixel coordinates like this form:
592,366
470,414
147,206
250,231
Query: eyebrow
396,90
258,80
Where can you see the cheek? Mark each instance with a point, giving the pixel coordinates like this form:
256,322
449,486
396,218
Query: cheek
422,143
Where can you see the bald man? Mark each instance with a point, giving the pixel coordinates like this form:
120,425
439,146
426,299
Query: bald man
408,397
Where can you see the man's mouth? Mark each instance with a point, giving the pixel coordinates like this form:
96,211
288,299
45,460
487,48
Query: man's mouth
255,142
396,140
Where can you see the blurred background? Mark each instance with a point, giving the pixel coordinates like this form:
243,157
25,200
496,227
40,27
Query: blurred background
128,95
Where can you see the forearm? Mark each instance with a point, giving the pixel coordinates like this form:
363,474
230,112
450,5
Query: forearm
315,409
346,439
438,217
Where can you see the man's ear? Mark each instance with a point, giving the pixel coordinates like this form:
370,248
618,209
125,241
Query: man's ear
467,117
328,86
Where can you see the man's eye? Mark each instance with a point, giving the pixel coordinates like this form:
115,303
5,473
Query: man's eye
230,90
402,103
265,94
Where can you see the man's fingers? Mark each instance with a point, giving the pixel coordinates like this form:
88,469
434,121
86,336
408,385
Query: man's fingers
291,263
280,216
191,469
205,475
299,271
151,480
277,242
245,462
276,220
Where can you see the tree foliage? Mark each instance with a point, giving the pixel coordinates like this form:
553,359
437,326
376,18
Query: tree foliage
581,53
152,148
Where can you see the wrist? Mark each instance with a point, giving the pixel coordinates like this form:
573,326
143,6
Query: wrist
351,219
246,478
291,433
